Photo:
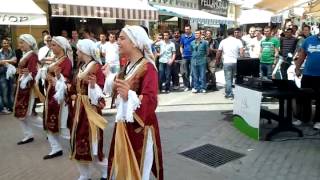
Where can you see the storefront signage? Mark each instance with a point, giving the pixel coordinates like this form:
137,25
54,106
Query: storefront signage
217,7
13,19
190,4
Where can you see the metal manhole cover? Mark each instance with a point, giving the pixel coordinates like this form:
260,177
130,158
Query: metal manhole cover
212,155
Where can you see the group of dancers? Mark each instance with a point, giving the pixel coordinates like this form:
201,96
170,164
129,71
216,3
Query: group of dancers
73,104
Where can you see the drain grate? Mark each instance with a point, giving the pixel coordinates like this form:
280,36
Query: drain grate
212,155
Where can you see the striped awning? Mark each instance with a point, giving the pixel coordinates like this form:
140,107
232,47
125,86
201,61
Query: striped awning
120,9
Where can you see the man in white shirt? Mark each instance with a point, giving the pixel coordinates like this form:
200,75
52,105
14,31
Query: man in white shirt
230,49
102,45
112,54
247,39
167,56
255,44
45,53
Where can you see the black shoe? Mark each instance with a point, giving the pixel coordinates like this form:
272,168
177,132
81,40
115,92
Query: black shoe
57,154
26,141
103,178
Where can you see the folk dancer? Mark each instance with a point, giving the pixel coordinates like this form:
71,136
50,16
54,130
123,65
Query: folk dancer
27,90
135,148
55,107
87,122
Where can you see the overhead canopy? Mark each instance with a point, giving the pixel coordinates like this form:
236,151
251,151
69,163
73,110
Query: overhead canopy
313,9
254,16
119,9
198,16
21,12
276,6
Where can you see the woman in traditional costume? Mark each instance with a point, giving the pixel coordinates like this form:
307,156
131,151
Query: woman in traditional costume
59,75
27,90
135,148
87,122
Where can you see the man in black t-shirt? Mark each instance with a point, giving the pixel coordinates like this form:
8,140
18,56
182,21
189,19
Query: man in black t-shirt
211,63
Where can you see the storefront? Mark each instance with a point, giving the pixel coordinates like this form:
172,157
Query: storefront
196,18
16,15
169,20
99,15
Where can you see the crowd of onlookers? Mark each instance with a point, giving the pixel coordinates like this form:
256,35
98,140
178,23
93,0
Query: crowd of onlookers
194,55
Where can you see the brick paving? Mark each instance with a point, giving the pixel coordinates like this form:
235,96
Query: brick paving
186,121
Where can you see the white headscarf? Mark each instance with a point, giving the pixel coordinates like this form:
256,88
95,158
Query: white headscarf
29,39
89,48
141,40
65,45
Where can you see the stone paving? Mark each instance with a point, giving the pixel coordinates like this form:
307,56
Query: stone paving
186,120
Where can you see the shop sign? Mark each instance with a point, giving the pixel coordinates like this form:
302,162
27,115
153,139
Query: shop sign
217,7
16,19
276,19
191,4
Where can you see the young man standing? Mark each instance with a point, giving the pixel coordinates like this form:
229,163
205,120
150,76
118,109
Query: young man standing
310,54
288,45
199,49
167,56
213,46
185,49
7,56
230,48
269,53
112,54
176,64
102,46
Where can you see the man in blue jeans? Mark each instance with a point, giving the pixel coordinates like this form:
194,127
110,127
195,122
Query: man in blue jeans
230,49
167,56
185,49
7,56
199,49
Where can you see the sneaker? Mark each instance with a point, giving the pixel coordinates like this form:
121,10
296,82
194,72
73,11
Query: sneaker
5,111
194,90
186,89
163,91
176,87
316,125
203,91
297,122
167,91
229,97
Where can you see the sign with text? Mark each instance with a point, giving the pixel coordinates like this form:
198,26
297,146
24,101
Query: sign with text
22,19
190,4
217,7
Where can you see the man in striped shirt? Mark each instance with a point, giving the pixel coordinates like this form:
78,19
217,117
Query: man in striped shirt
288,45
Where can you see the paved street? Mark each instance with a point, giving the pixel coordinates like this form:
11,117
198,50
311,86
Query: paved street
186,121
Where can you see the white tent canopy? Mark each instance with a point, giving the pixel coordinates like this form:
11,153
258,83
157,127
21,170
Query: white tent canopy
21,12
254,16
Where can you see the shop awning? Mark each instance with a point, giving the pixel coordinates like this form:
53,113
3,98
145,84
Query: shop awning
276,6
21,12
313,9
273,5
198,16
112,9
254,16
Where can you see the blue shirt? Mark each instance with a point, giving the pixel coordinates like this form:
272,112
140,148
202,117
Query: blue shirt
185,41
166,51
311,47
199,52
5,56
